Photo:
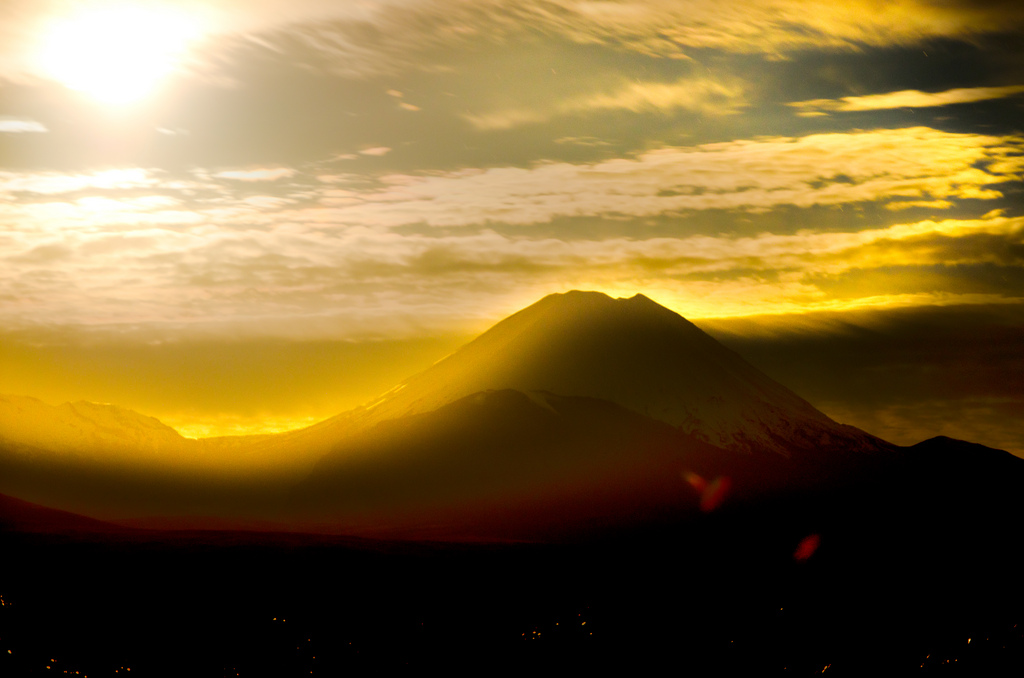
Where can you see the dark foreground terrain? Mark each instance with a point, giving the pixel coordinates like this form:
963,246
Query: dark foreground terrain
916,572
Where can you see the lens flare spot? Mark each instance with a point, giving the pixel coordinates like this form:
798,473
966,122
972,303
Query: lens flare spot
712,493
806,548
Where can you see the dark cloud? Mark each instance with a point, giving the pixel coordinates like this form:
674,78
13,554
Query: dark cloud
903,374
992,279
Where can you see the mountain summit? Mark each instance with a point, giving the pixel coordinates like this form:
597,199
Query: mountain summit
634,353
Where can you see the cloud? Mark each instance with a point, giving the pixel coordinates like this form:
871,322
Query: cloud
18,126
908,204
910,164
582,141
702,95
101,260
782,25
131,245
50,183
391,35
265,174
915,244
387,35
910,98
903,374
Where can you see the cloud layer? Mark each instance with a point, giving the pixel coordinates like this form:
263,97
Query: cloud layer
361,38
135,245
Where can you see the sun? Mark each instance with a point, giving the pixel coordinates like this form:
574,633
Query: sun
117,53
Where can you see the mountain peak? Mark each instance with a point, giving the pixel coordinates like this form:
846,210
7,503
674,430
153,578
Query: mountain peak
586,312
594,299
632,352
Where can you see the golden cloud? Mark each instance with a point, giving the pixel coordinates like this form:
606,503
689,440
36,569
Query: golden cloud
703,95
915,164
910,98
310,248
386,35
402,32
57,182
257,174
224,273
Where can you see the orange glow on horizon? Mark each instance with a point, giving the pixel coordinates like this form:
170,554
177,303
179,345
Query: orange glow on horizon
237,425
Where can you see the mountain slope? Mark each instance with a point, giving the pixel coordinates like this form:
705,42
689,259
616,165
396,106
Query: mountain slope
501,464
508,465
632,352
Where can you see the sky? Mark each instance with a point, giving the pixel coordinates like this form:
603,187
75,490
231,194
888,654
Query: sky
249,216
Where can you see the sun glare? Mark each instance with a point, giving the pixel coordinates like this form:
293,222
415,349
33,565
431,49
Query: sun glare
117,54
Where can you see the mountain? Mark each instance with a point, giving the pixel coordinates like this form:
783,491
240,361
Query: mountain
86,428
579,412
632,352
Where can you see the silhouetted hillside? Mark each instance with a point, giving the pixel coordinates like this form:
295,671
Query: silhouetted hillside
23,516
